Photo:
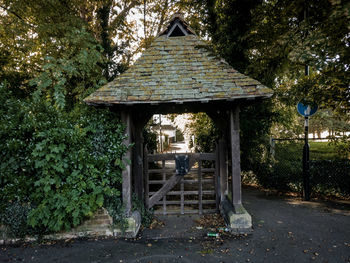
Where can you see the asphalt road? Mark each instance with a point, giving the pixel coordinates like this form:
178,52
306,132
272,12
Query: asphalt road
285,230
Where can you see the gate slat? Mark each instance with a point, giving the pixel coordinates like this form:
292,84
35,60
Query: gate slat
184,181
164,179
207,156
182,196
176,212
170,170
186,202
200,206
205,192
167,170
216,177
146,176
161,157
171,156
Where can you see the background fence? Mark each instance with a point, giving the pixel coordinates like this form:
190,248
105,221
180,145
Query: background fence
329,170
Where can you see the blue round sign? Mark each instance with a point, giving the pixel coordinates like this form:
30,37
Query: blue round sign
307,109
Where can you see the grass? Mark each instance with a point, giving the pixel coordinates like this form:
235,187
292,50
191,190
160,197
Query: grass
294,151
323,151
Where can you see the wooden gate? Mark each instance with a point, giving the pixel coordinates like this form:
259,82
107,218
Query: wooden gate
170,193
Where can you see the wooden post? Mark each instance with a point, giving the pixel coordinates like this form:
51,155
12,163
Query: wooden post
200,187
220,120
223,168
138,162
216,177
182,196
126,119
235,154
164,181
145,174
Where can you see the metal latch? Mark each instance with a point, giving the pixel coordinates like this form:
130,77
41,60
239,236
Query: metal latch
182,164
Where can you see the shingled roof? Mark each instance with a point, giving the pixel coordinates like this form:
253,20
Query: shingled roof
178,67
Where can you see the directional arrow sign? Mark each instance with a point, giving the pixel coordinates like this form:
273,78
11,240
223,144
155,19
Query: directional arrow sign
307,110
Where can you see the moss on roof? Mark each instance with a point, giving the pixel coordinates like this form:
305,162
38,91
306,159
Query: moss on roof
178,69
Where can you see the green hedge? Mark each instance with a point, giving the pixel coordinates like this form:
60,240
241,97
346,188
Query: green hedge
61,164
283,176
284,172
331,177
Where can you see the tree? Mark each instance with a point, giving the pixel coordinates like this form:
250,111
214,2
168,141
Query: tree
64,45
227,23
283,40
204,131
286,36
53,53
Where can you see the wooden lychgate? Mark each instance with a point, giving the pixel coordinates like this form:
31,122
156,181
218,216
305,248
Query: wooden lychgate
179,74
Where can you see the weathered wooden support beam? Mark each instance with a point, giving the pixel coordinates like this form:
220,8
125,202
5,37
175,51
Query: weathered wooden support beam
164,179
126,174
216,178
164,190
220,117
145,174
235,154
223,168
200,188
137,164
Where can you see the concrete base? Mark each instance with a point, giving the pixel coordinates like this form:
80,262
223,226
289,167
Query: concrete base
134,223
236,217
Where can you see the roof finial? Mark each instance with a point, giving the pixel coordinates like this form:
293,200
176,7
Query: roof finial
177,22
179,15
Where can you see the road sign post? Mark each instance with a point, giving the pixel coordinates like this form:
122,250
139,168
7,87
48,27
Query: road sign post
306,110
306,163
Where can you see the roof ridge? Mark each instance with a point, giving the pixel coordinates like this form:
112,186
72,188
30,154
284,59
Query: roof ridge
180,17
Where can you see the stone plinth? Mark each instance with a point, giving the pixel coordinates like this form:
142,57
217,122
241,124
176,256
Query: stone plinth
236,217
